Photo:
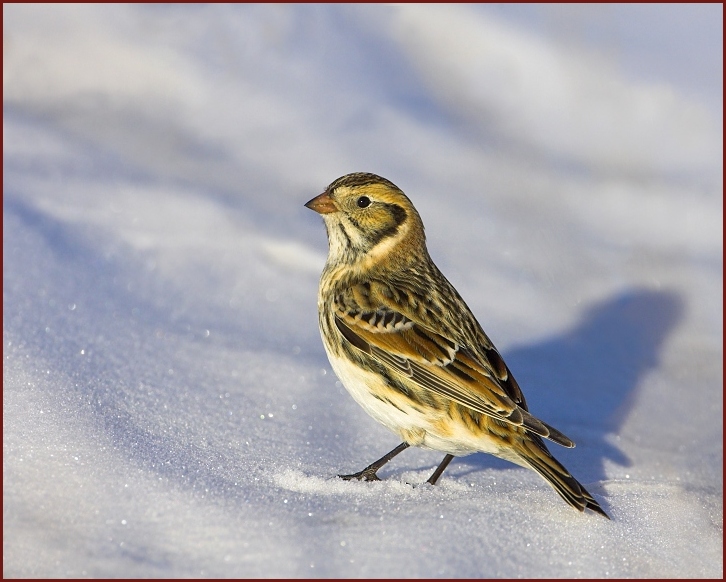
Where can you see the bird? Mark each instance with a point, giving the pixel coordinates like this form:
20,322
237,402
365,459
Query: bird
409,350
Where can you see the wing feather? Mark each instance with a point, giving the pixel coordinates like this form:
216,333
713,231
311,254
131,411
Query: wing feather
438,363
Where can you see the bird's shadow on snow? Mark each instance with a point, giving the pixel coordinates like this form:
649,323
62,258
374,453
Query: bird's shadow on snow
586,381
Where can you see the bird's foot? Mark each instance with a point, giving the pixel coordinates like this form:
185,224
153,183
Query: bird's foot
364,475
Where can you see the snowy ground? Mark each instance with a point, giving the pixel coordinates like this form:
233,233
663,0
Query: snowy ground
168,407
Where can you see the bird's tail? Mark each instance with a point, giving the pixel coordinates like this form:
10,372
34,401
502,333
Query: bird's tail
536,456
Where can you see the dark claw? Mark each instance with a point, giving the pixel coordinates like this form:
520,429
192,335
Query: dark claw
361,476
369,473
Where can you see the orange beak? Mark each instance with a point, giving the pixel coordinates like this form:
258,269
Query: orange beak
322,204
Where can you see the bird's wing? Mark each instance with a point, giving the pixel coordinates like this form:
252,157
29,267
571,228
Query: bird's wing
438,363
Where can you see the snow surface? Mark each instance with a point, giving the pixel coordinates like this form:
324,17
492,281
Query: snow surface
168,407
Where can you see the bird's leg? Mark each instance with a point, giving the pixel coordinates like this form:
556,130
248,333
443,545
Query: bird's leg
369,473
440,469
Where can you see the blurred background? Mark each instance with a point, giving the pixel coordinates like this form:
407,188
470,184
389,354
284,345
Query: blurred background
162,364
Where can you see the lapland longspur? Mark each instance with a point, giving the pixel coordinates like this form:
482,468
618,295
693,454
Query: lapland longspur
409,350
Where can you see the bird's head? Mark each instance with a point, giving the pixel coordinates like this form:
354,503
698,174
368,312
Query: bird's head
370,222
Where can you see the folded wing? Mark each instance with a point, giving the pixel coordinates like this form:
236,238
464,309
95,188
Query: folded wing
437,363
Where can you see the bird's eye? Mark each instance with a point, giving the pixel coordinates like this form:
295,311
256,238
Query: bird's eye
363,202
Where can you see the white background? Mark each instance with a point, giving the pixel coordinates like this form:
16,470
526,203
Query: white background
168,407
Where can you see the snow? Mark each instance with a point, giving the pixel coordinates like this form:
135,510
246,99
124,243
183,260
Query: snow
168,407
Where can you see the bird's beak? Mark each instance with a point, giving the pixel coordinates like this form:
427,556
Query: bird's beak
322,204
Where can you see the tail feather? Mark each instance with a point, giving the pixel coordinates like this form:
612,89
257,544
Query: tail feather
559,478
